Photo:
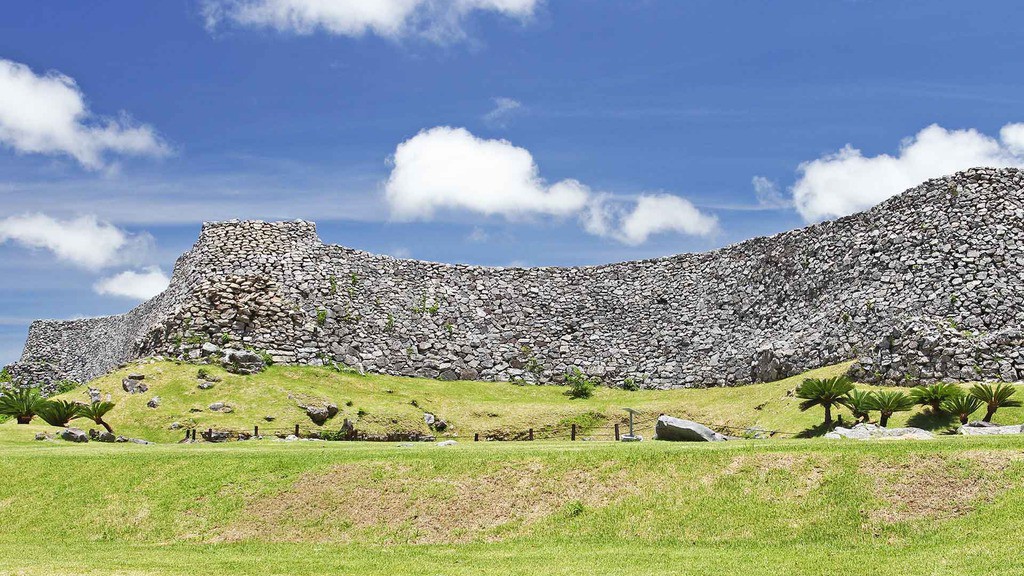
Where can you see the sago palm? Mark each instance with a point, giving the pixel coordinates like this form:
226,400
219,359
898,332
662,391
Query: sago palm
962,406
20,403
59,412
824,392
888,402
859,403
994,397
96,411
935,394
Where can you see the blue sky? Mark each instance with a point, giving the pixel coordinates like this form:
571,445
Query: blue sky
646,123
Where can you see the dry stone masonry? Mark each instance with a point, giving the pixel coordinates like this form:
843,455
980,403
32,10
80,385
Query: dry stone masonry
926,286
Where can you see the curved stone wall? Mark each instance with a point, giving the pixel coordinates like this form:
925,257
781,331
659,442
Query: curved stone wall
926,286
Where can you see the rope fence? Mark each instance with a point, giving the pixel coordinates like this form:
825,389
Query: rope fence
606,432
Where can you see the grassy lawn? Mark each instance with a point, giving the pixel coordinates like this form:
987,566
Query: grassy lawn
947,506
380,404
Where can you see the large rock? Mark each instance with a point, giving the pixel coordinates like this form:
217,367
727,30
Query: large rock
865,431
990,430
242,362
74,435
319,414
101,436
134,386
677,429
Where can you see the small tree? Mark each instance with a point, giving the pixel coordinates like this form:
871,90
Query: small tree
59,412
579,385
859,403
962,406
20,403
96,411
824,392
934,395
889,402
994,397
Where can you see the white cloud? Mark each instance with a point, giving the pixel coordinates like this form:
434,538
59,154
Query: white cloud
135,285
768,193
478,235
83,241
503,110
847,181
448,168
659,213
47,114
436,20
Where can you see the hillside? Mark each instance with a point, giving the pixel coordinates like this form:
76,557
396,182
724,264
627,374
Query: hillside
926,286
381,405
948,506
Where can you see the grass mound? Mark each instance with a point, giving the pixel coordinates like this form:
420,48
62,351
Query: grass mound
382,405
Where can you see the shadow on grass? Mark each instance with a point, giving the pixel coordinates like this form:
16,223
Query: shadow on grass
818,430
928,420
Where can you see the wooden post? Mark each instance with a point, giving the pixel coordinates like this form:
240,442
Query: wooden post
209,433
531,434
296,430
616,432
573,432
476,437
188,435
255,431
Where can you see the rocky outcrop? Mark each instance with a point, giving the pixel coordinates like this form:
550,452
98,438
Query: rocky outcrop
865,431
927,286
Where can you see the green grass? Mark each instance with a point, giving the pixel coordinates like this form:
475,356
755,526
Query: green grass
746,507
386,404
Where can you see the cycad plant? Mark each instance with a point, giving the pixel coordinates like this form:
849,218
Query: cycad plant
888,402
95,412
859,403
935,394
994,397
962,406
59,412
824,392
20,403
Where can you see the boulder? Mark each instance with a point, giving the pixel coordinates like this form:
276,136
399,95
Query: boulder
209,349
215,436
74,435
174,426
205,385
865,431
216,406
428,418
136,376
990,430
134,386
154,402
679,430
101,436
242,362
981,424
318,414
42,436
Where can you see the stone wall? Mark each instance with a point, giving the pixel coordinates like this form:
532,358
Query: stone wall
926,286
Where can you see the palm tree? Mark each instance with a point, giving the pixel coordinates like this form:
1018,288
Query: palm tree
824,392
859,402
59,412
995,397
96,411
934,395
21,403
888,402
962,406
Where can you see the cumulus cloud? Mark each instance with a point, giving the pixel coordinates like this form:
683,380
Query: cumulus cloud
135,285
847,181
83,241
658,213
504,109
47,114
768,194
436,20
450,169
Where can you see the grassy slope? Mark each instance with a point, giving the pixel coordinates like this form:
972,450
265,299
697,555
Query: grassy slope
746,507
467,406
